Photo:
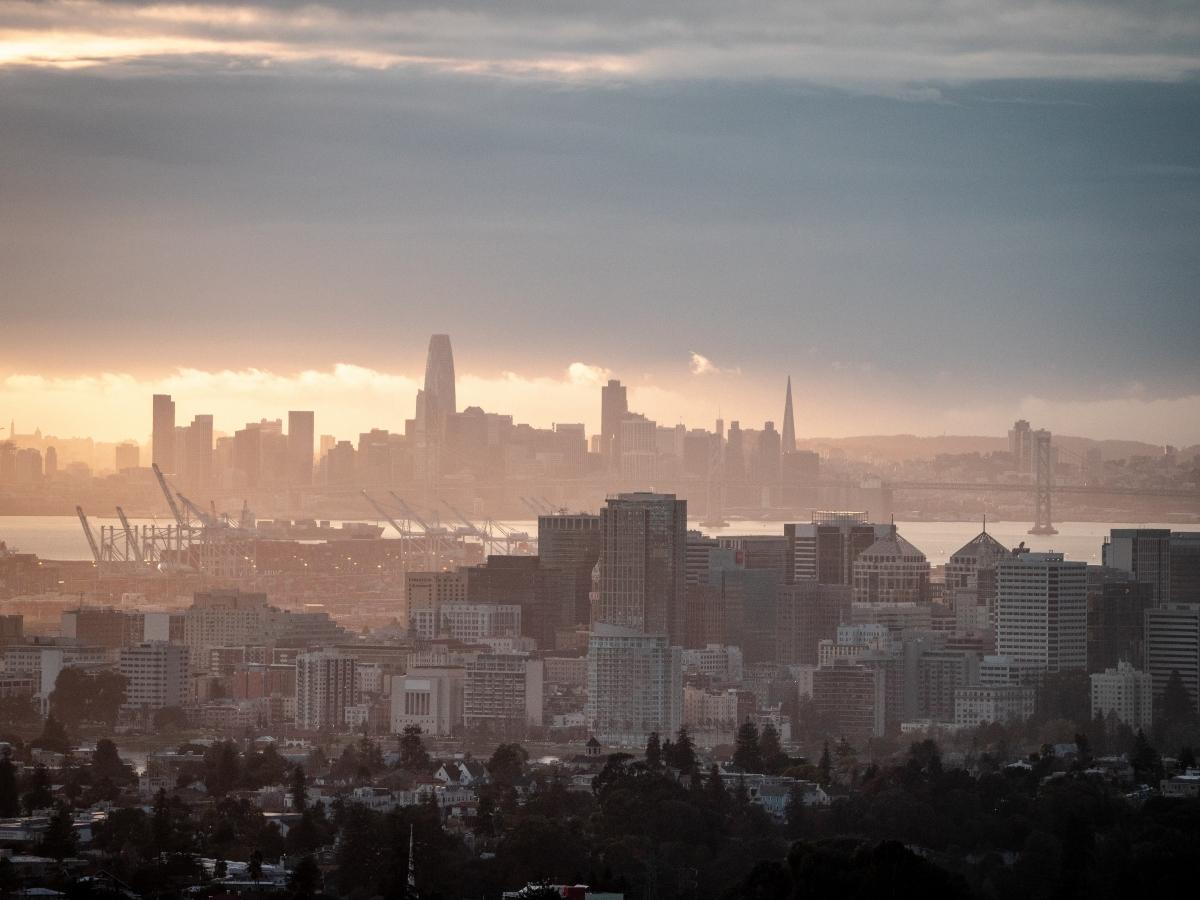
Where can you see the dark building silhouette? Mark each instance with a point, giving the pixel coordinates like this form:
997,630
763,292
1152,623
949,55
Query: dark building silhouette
568,547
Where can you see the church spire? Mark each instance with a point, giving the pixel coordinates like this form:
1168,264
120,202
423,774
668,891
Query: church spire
789,422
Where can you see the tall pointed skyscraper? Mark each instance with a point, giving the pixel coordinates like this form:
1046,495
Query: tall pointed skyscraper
789,422
440,401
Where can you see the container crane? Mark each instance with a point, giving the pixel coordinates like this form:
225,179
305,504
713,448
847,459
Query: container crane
91,538
130,537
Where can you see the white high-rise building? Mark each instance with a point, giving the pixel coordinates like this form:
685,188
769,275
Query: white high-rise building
503,691
326,684
156,675
635,685
1126,692
1041,610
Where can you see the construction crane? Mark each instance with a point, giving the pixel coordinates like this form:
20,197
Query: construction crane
162,483
533,507
485,536
386,515
130,537
91,538
434,549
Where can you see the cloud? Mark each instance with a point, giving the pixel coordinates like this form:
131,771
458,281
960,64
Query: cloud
864,42
583,374
702,365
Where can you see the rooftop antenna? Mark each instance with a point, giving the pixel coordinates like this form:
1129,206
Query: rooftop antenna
985,523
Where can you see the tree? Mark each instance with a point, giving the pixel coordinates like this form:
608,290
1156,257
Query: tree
1146,763
299,789
305,880
107,763
38,796
507,764
54,736
81,695
223,767
747,754
773,758
58,841
825,765
683,753
654,754
795,811
413,755
254,866
169,717
10,801
1177,704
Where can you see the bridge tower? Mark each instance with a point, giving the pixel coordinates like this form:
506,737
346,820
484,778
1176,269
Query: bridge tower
1043,464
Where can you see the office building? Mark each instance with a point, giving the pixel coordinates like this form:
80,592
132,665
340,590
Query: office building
1041,610
502,693
1145,553
940,673
642,564
852,698
614,407
1173,645
568,547
1125,692
163,434
807,613
301,428
788,438
325,686
891,570
825,549
156,676
971,573
1185,566
127,455
1116,618
440,399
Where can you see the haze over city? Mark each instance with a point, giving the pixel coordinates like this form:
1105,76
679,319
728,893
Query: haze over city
592,450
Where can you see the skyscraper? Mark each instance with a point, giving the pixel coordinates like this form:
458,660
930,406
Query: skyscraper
300,446
163,451
1145,553
789,422
440,402
614,407
1041,610
642,564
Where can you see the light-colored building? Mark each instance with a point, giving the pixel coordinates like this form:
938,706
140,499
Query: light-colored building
156,676
224,618
326,684
430,697
425,592
475,621
723,664
1041,610
503,692
982,704
635,685
1126,692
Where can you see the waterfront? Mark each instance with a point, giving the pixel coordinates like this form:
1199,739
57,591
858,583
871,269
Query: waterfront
60,537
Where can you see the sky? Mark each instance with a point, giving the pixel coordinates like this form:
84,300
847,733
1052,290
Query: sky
935,216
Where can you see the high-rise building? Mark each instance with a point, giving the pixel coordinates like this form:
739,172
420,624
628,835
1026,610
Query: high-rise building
325,686
156,676
1020,445
635,685
51,462
852,697
1145,553
808,613
642,564
971,572
198,452
1126,692
1116,618
163,435
891,570
440,400
825,549
614,407
503,693
638,439
1173,645
1185,566
789,421
1041,610
300,446
127,456
568,547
